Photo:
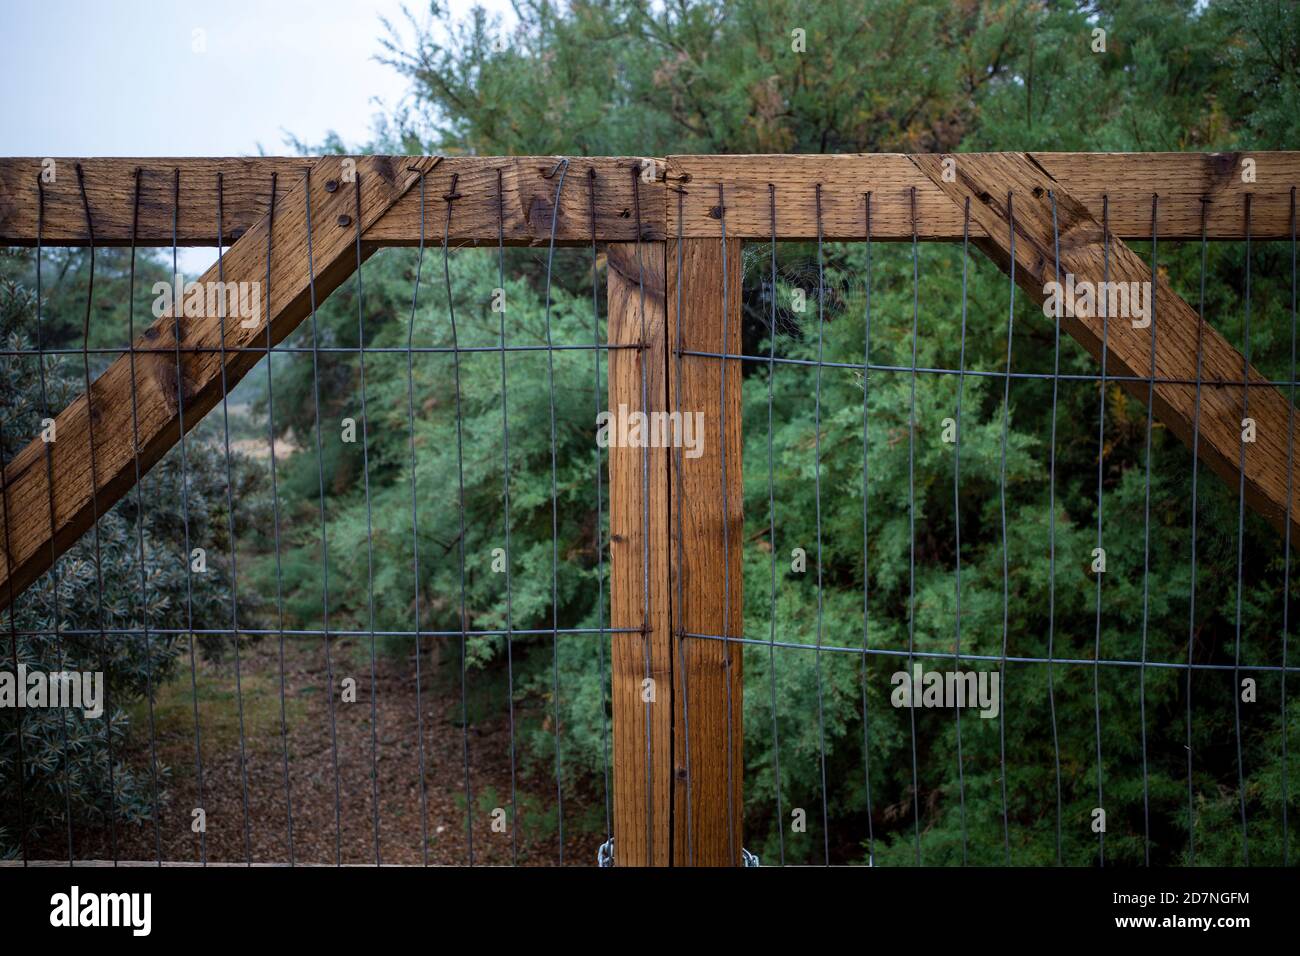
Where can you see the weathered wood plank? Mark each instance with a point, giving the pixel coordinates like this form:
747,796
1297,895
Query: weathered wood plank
707,512
1176,324
110,190
1182,179
638,514
76,496
528,188
528,191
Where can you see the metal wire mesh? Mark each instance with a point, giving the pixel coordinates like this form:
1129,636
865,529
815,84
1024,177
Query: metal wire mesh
339,625
1046,825
911,611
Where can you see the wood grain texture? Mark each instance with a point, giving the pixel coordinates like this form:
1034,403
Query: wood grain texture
707,500
638,515
1176,324
110,190
1182,179
528,192
529,189
77,496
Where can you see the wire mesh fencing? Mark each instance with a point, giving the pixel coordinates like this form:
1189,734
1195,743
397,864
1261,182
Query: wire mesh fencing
363,610
338,608
995,612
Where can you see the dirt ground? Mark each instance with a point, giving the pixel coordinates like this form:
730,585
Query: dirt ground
325,830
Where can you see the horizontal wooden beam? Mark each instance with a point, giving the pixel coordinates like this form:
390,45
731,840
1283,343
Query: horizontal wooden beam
528,188
1180,335
624,194
93,454
110,190
1183,180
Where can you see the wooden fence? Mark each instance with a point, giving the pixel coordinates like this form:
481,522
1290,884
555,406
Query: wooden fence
674,230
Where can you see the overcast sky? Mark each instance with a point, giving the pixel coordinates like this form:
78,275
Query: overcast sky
131,77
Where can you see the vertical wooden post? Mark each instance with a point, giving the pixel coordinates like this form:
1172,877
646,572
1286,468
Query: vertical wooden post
638,518
707,515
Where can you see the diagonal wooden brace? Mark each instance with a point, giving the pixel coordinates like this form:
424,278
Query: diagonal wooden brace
33,538
986,179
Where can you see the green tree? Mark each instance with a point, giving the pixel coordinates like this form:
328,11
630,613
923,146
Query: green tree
626,77
632,78
119,601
